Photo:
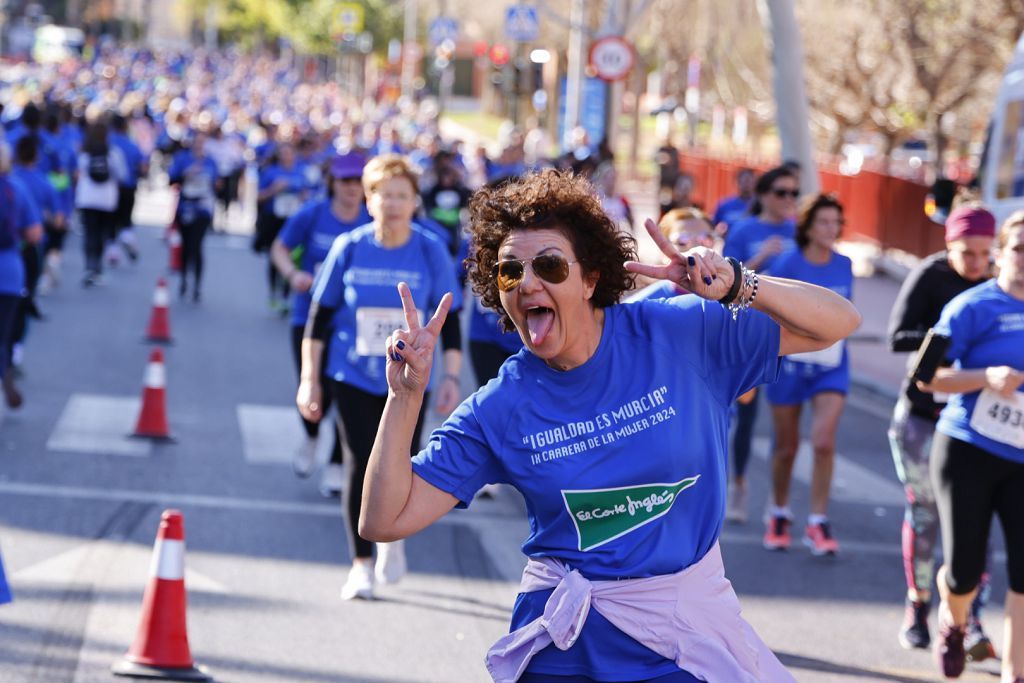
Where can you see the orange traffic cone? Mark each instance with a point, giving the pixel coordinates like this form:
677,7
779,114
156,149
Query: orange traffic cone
161,647
152,422
174,245
159,328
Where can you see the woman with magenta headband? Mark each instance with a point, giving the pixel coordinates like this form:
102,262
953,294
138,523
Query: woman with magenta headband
612,423
977,458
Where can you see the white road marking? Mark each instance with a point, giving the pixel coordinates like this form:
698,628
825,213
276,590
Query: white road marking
98,424
851,483
270,434
169,499
63,568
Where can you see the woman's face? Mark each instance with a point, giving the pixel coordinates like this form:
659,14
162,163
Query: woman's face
392,202
349,190
691,233
1011,259
286,155
825,229
779,201
548,316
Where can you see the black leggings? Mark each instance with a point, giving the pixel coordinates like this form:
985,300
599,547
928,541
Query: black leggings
192,235
360,413
99,228
971,485
313,428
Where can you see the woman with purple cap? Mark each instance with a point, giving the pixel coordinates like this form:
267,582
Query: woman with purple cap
965,263
297,253
977,456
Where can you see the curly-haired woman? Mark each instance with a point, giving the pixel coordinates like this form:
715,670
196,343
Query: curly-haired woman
612,424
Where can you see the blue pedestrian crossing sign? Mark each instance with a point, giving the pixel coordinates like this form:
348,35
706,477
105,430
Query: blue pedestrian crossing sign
521,23
442,29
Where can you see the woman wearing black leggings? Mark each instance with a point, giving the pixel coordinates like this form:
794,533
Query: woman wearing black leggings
977,459
195,174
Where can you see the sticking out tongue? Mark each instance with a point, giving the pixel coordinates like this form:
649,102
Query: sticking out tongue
539,322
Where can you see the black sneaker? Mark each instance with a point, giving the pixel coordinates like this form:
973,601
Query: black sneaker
949,648
914,632
977,644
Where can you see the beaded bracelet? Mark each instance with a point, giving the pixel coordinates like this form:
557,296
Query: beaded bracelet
748,292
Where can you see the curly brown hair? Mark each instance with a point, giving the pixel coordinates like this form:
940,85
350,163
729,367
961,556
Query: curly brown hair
808,211
548,200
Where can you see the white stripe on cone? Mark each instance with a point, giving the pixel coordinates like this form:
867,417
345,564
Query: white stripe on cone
161,299
168,560
156,376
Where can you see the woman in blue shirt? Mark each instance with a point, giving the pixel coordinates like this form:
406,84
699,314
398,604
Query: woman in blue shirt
611,422
821,378
283,190
354,307
195,175
977,458
298,253
19,221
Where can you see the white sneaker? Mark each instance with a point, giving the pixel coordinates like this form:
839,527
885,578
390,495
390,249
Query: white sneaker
391,565
736,508
332,481
359,583
305,457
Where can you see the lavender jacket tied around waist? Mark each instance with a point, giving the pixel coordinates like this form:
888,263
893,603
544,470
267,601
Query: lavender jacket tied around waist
691,617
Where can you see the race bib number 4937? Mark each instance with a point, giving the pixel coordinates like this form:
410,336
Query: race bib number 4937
602,515
1000,419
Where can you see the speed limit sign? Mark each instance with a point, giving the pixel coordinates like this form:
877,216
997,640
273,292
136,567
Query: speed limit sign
612,58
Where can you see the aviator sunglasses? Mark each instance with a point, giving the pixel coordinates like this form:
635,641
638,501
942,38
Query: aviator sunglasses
553,268
783,193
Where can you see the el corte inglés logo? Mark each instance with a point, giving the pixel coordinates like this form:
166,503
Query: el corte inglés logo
602,515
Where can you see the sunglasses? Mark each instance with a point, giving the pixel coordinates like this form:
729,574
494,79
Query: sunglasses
782,194
350,179
687,239
552,268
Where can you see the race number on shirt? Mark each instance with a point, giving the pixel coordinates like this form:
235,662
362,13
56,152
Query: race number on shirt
286,205
830,357
195,185
1000,419
374,326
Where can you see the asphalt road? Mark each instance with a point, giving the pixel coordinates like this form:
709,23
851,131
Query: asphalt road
80,505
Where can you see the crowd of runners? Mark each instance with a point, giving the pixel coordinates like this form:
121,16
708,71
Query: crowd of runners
369,220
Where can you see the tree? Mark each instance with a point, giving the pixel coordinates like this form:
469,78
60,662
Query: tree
898,68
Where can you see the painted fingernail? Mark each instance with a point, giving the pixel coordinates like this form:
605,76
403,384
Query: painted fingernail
714,277
400,344
692,261
395,357
707,280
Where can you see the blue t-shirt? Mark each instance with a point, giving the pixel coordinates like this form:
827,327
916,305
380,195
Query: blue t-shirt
662,289
288,201
133,157
313,230
986,328
836,275
39,187
731,210
744,240
485,326
360,279
17,213
621,461
196,177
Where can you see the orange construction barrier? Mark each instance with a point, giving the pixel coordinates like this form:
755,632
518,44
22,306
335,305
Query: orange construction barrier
174,247
159,328
161,646
152,422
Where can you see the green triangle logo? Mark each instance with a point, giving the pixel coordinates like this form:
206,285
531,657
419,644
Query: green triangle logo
602,515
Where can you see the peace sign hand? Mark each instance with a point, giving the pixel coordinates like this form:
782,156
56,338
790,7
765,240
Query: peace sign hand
410,352
700,270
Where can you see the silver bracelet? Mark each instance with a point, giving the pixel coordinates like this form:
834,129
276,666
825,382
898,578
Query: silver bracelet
748,292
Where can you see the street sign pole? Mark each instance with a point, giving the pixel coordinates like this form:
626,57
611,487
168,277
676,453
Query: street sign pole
577,63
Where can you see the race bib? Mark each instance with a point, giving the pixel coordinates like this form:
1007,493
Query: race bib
374,326
286,205
195,185
830,357
1000,419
